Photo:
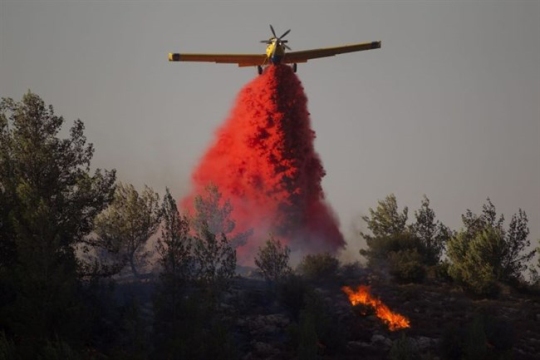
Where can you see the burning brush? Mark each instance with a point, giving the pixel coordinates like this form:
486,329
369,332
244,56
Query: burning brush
362,296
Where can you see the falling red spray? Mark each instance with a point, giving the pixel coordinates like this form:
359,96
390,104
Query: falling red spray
263,161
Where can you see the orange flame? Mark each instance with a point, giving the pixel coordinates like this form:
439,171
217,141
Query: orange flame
362,296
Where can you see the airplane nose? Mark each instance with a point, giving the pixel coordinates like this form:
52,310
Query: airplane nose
174,57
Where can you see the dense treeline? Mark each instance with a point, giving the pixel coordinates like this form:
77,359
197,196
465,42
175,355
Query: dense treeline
64,231
49,200
477,257
70,237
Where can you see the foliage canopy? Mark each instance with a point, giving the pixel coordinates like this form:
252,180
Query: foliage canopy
48,202
273,260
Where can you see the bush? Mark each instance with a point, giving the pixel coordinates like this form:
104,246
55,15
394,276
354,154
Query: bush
500,336
198,332
475,262
319,267
273,260
351,270
291,293
403,254
331,333
37,349
319,331
475,340
485,337
406,266
307,337
391,234
440,271
403,349
451,344
380,247
7,347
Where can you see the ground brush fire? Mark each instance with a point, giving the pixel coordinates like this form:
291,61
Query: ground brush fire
362,296
263,161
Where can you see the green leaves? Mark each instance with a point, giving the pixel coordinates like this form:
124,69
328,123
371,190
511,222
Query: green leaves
175,245
47,193
273,260
124,228
433,234
405,249
484,252
385,220
475,262
215,259
48,201
214,215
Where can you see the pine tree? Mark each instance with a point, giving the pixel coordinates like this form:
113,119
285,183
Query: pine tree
514,255
385,220
484,252
214,214
49,201
174,245
433,234
176,270
273,260
125,227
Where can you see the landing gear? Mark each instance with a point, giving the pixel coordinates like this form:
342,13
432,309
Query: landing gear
259,69
294,67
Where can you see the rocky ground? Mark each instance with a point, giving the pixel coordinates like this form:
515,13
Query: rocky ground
263,326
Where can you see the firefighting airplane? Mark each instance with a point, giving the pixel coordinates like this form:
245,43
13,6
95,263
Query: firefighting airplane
275,54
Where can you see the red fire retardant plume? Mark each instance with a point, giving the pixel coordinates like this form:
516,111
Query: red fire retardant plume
263,161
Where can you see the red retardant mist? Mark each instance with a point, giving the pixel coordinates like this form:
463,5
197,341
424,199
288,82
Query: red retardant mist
264,163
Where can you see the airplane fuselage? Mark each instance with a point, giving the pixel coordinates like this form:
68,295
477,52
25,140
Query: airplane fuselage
275,52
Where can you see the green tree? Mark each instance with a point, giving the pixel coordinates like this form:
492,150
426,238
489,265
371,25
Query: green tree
407,264
273,260
388,226
386,220
433,234
7,201
319,267
475,262
185,322
516,256
213,214
214,254
174,245
175,260
538,252
405,249
513,242
49,201
127,224
214,259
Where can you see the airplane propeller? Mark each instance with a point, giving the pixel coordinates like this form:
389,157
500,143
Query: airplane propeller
273,32
285,33
278,39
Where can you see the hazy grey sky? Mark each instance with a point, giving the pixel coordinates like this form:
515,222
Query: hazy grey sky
449,107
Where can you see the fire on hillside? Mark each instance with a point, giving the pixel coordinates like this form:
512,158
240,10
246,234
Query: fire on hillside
362,296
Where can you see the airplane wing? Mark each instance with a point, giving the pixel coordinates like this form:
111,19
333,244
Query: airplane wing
240,59
305,55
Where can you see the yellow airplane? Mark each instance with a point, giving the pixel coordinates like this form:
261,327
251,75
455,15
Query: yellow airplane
275,54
